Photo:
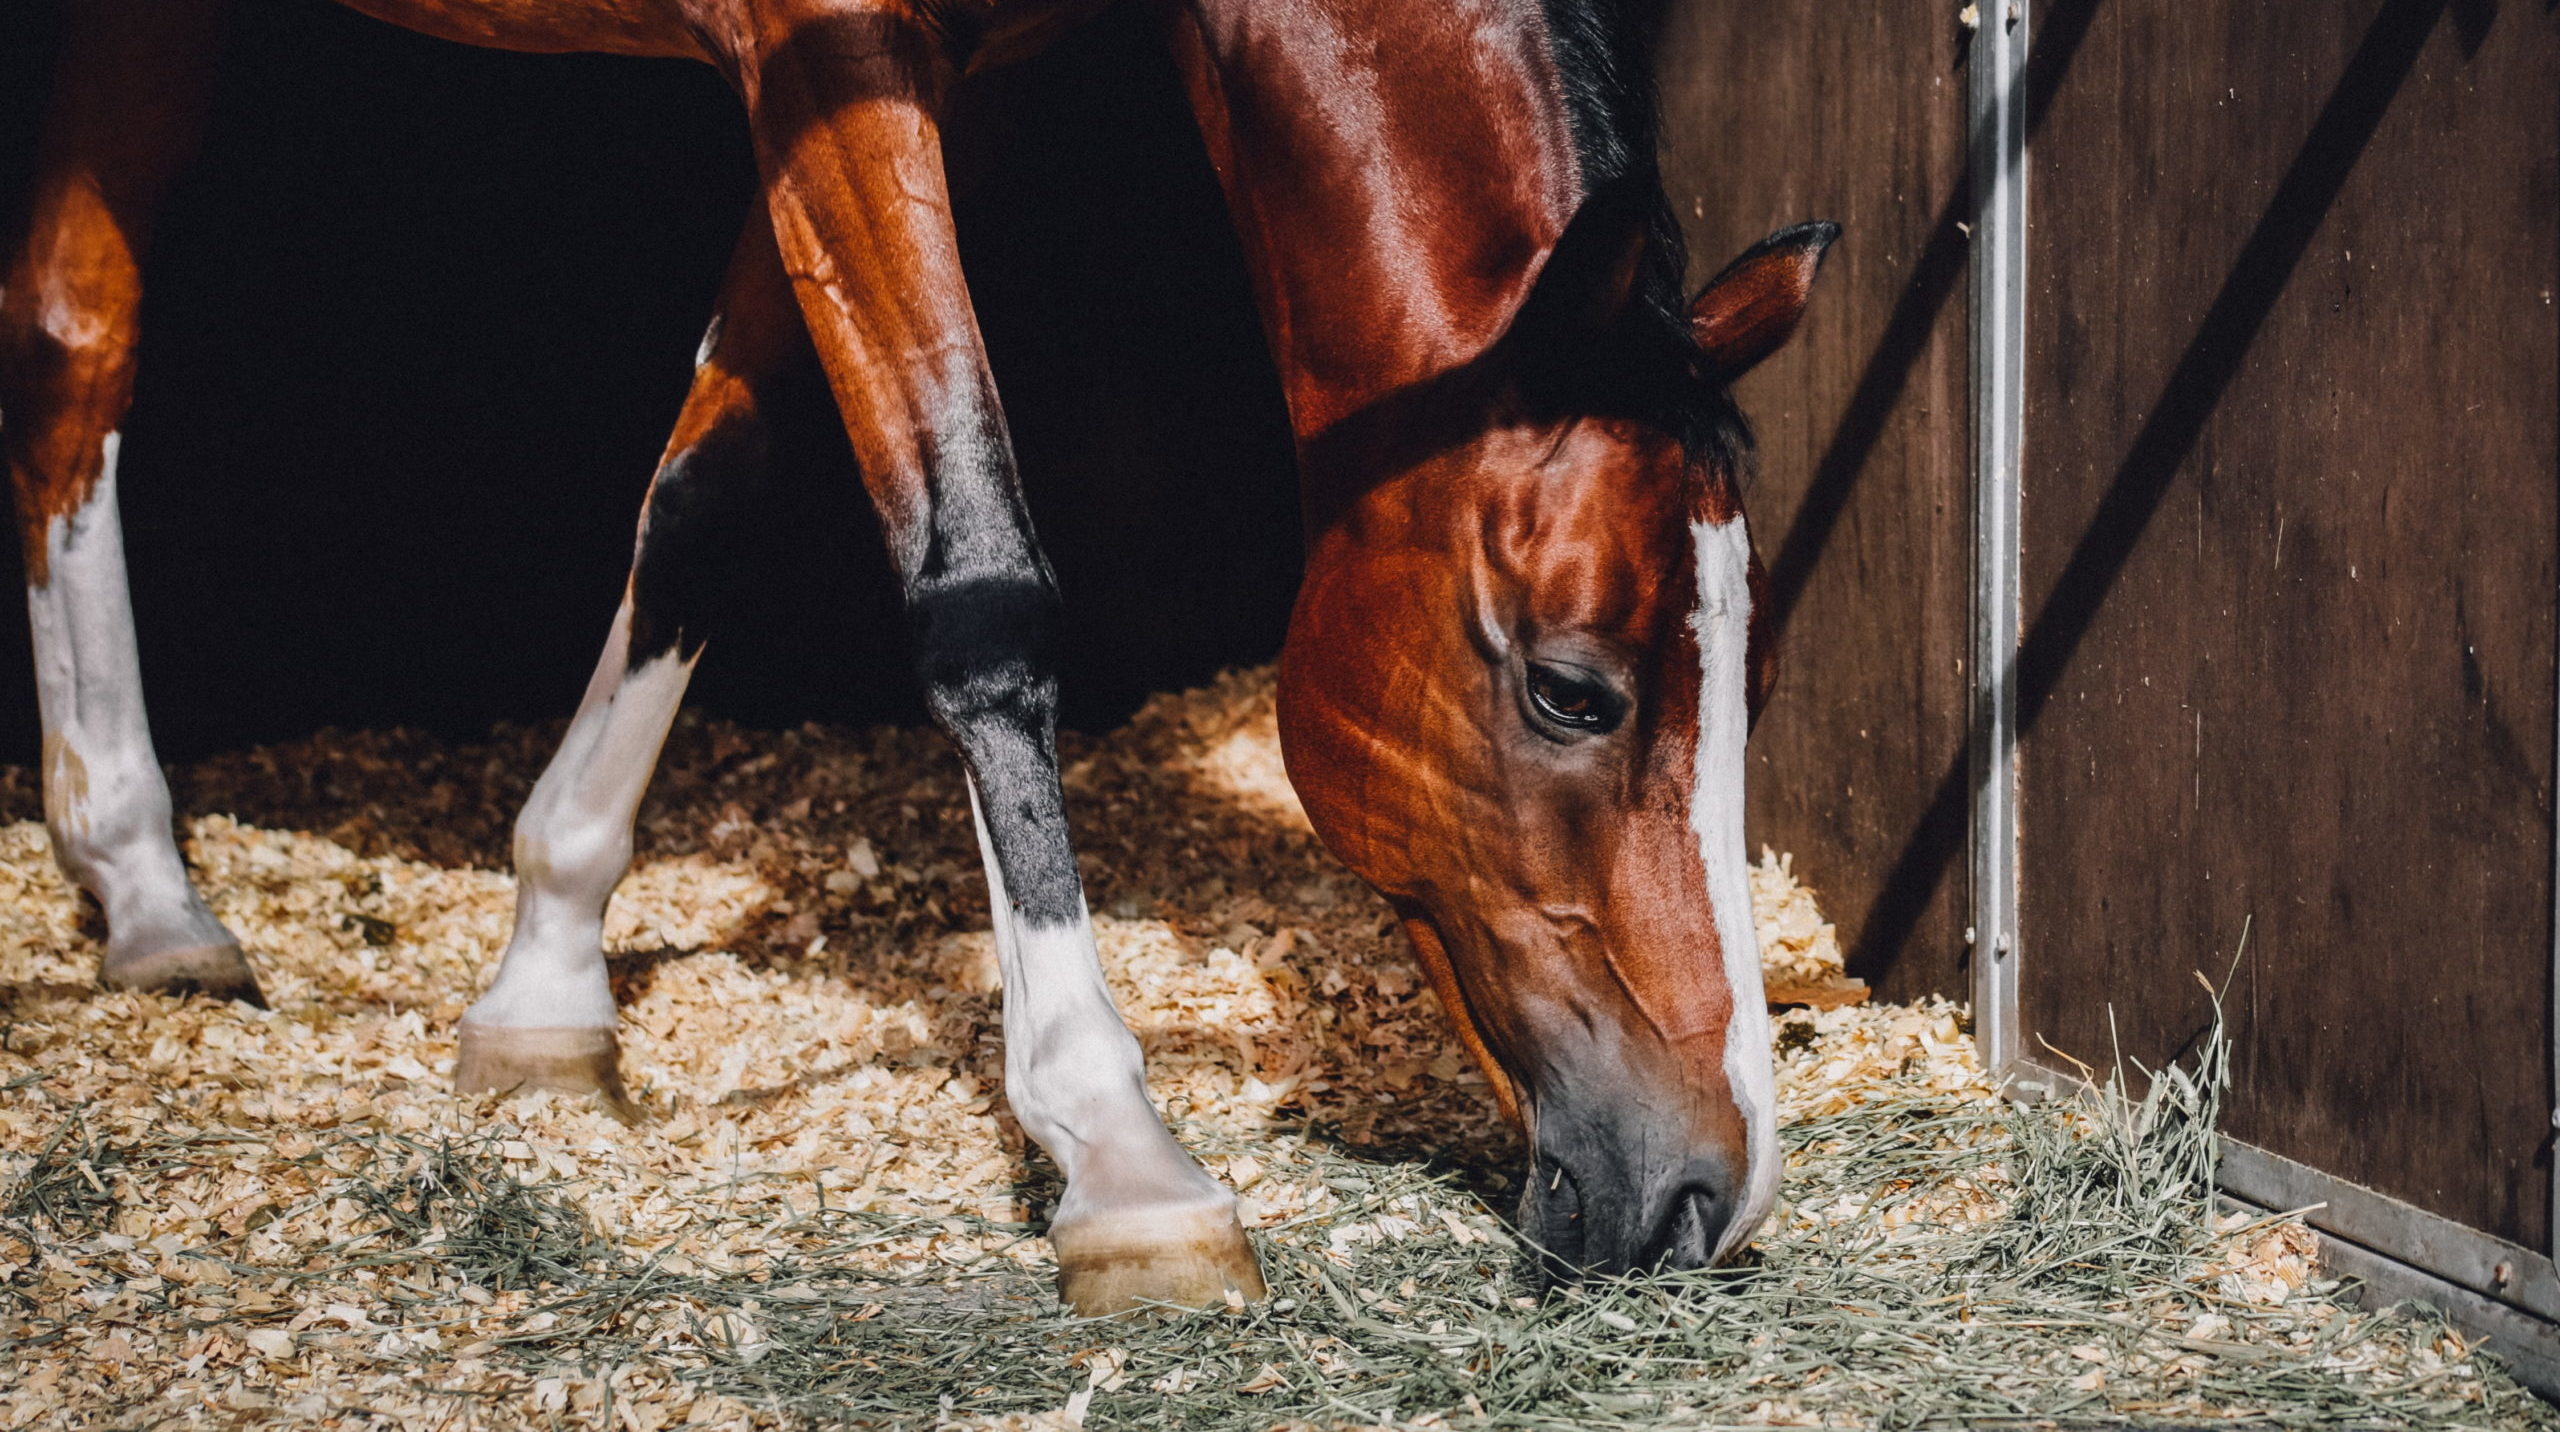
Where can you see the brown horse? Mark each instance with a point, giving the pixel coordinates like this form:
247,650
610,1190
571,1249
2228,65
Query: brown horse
1519,674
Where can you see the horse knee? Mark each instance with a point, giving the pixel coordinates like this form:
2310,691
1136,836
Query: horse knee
66,373
70,305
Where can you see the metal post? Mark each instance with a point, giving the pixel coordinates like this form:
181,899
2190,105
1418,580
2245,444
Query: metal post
1996,100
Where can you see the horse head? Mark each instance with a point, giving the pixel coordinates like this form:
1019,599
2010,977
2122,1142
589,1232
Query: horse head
1514,697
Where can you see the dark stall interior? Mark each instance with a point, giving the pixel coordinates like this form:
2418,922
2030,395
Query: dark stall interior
419,317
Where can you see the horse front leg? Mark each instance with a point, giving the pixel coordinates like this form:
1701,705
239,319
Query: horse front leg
547,1020
842,102
127,106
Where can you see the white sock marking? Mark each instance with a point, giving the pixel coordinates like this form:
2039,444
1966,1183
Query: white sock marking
106,806
573,844
1072,1070
1723,627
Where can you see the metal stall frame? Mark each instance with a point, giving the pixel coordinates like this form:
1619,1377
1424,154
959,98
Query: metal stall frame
1996,95
2483,1283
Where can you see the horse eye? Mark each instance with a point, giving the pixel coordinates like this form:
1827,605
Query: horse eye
1572,700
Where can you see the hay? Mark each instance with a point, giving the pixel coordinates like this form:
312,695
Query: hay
217,1216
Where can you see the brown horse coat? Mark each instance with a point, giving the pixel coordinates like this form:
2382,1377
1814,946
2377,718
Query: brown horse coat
1518,675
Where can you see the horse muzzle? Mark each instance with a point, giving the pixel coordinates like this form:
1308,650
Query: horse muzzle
1608,1197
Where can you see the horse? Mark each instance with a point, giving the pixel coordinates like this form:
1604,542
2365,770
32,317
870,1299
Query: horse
1516,681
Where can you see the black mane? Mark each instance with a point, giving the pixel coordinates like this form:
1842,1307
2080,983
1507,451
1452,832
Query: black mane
1651,368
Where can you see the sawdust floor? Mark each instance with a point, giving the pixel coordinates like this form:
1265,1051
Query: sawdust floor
810,1022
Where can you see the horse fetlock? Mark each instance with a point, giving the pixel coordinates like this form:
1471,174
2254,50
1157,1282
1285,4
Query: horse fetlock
508,1059
1140,1179
107,812
580,860
160,934
546,986
547,1021
1084,1099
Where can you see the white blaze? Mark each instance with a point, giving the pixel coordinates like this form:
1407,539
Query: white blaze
1723,627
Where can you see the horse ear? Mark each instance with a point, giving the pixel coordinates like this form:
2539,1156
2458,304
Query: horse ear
1745,312
1590,275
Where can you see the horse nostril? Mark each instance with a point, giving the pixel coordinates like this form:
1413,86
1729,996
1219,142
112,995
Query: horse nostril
1696,1209
1698,1219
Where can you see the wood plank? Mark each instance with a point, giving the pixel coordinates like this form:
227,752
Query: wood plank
2290,522
1828,994
1774,115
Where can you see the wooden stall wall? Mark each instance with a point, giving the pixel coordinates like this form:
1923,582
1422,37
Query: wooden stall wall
1773,115
2289,500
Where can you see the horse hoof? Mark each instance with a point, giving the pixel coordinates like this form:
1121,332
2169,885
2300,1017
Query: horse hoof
221,971
1199,1260
502,1059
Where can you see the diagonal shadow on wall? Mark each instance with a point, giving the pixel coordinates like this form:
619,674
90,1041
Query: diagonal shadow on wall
2312,183
1905,338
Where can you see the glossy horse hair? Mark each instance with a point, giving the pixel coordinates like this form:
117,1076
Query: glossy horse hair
1652,369
1519,670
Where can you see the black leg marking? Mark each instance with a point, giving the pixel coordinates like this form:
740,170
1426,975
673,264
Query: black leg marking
984,648
692,544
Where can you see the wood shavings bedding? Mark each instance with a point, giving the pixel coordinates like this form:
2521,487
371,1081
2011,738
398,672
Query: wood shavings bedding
201,1205
1797,945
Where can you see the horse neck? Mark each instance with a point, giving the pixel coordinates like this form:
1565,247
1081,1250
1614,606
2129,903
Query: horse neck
1395,172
